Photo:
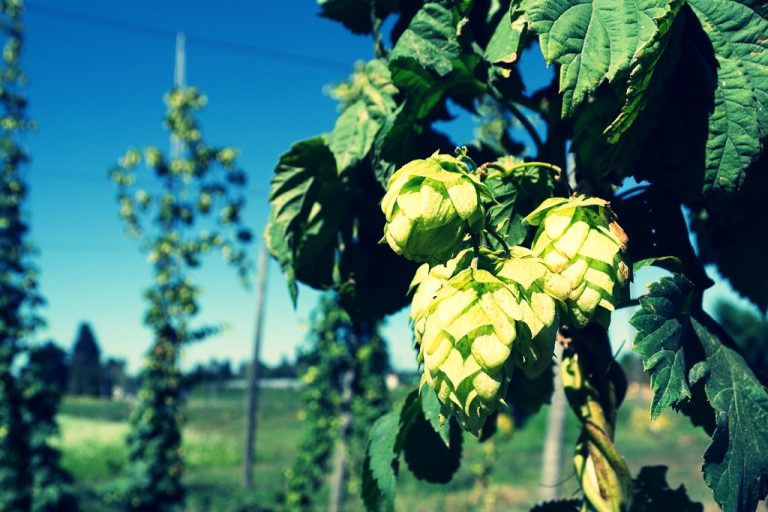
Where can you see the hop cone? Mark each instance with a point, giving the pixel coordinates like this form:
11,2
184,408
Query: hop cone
579,240
473,325
430,206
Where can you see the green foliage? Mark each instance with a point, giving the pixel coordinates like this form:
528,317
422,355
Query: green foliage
651,492
308,200
735,466
593,40
431,447
191,209
342,370
694,351
750,331
30,476
52,489
670,93
660,341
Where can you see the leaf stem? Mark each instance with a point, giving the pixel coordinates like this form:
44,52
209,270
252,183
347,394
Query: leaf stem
461,154
492,231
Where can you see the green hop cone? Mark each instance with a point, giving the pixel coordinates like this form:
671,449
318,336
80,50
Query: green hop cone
430,206
579,239
473,325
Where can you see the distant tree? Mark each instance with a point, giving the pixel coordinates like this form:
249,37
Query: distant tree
284,370
85,368
750,331
42,384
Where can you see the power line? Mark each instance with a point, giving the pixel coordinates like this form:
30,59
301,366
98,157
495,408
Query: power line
207,42
82,177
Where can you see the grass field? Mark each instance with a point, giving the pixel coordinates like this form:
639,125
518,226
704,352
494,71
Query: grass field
93,433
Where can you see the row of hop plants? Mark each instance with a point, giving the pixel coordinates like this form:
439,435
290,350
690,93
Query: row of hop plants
31,476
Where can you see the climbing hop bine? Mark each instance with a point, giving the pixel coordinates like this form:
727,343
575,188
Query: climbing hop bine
579,239
477,319
595,386
430,206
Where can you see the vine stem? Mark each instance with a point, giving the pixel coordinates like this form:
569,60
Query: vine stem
378,45
593,384
504,171
476,250
520,116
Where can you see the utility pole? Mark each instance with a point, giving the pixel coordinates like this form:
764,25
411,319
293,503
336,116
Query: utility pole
179,82
253,374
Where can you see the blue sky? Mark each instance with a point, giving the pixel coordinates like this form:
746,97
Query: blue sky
96,89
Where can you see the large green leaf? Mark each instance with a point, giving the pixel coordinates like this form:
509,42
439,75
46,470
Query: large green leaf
353,135
379,478
504,46
427,456
642,68
662,328
431,38
593,40
367,100
406,134
353,14
309,203
517,194
739,123
527,396
736,463
356,14
381,463
277,245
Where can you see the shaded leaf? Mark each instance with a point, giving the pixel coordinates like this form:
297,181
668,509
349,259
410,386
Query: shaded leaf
739,123
427,455
309,203
385,442
642,67
558,506
353,14
504,46
430,406
530,395
662,329
379,477
517,193
736,463
431,38
650,491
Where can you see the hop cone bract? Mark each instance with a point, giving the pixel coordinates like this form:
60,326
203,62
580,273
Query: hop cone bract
430,206
474,325
579,239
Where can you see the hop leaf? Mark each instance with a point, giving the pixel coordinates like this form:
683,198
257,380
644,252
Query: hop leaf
579,240
430,206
